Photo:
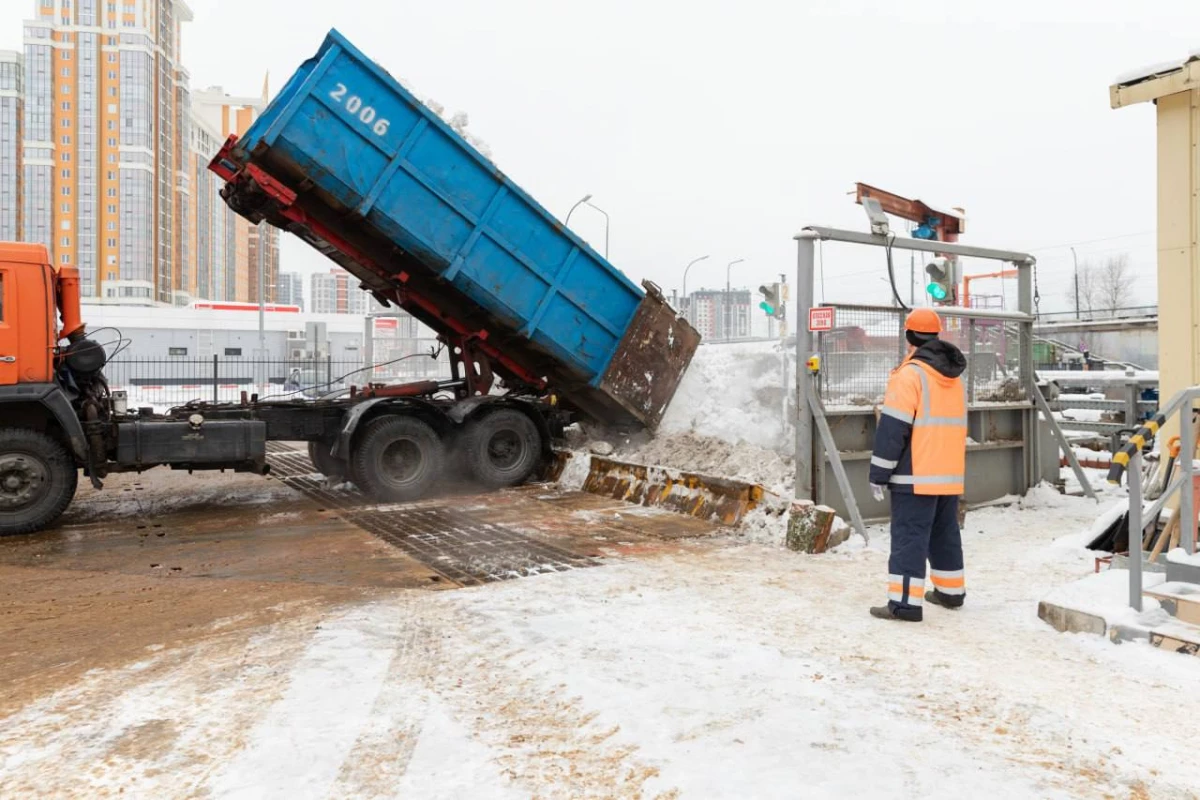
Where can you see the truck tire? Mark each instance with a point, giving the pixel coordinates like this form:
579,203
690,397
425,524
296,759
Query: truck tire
38,478
502,448
324,463
397,459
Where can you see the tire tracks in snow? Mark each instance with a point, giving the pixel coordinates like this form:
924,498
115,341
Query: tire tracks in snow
158,727
544,739
380,755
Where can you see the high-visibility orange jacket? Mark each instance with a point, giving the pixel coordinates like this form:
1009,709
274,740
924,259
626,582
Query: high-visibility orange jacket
921,440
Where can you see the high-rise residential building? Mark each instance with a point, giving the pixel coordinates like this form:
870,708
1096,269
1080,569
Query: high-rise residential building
717,314
12,112
338,292
106,104
290,289
113,167
227,252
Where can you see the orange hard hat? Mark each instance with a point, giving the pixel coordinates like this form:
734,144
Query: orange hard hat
923,320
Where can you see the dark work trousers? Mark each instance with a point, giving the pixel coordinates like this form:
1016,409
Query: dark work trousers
924,527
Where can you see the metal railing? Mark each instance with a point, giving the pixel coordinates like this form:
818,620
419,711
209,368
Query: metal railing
1129,312
161,383
1059,347
1136,400
1129,463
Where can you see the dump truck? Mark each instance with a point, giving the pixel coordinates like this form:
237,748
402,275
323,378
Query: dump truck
541,330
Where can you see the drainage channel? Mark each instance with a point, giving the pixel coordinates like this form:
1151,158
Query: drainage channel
456,544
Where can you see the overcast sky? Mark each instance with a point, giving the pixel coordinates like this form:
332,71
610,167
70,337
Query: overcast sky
722,128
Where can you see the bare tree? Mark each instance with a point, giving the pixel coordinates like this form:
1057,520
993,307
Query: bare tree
1114,284
1103,287
1085,297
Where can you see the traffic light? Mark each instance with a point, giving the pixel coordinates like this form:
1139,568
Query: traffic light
943,280
774,302
770,303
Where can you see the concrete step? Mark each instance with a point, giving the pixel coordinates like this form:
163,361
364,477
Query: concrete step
1178,637
1181,634
1179,599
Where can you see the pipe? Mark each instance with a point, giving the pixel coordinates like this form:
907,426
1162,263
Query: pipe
67,283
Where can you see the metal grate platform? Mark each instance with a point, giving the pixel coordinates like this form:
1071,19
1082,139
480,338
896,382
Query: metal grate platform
458,545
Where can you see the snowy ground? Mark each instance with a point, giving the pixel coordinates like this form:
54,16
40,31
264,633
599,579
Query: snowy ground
719,670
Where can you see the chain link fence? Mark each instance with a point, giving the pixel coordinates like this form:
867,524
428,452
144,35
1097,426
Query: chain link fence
867,343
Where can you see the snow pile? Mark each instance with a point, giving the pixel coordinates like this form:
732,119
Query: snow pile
768,523
710,455
765,525
733,392
726,419
575,472
1180,556
458,122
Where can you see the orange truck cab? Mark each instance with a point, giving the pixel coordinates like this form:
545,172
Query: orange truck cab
42,441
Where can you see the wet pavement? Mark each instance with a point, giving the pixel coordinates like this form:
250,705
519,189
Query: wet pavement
165,558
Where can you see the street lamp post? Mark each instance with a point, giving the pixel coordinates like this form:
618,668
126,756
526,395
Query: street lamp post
605,213
1076,260
690,316
585,198
726,317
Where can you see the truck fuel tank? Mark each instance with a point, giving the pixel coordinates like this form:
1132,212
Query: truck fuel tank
195,442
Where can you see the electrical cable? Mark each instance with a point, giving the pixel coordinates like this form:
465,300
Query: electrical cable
433,353
892,272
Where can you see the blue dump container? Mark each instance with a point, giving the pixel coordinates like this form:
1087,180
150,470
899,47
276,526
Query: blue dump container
384,187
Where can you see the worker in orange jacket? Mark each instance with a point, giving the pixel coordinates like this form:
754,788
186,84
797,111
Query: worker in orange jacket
920,455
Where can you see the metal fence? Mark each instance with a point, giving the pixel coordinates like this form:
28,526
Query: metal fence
868,342
1128,312
163,383
407,359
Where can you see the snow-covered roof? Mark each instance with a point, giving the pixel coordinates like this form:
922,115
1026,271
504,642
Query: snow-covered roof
1155,70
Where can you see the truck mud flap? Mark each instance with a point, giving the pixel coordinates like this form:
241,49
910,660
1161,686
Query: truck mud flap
650,361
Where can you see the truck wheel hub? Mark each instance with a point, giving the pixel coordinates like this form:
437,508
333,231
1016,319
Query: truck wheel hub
504,449
402,460
21,479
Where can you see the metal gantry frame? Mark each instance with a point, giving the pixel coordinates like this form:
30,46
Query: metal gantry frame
806,393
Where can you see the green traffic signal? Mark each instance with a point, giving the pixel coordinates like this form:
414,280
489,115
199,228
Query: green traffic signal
937,291
767,307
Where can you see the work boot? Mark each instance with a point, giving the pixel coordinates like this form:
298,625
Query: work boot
897,612
950,601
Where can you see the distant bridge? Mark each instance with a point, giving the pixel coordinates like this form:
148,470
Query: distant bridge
1132,339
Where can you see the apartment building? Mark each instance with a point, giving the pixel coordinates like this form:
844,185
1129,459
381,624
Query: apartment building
110,172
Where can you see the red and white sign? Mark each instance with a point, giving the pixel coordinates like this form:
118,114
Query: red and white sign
268,307
820,319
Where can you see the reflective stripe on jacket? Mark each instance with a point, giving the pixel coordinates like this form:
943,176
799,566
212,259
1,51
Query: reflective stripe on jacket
921,439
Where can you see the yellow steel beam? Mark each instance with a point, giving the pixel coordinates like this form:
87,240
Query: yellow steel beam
1186,78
